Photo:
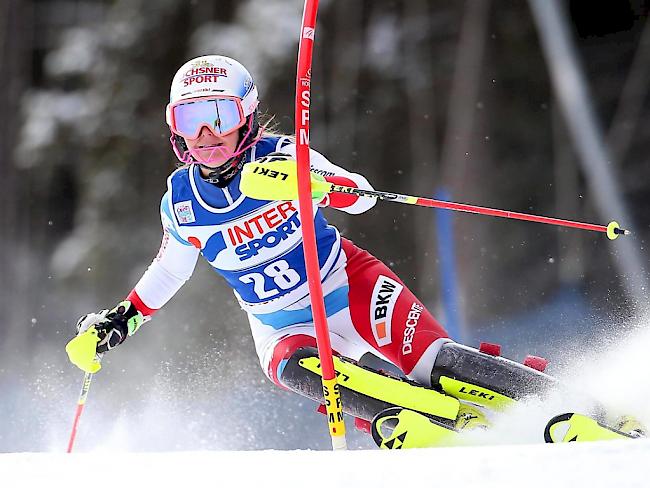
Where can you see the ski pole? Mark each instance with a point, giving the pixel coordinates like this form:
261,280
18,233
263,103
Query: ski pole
613,230
85,387
275,180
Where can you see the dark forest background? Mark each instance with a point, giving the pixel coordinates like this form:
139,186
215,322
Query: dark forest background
418,95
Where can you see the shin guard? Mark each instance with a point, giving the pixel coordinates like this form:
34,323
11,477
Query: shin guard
364,392
485,379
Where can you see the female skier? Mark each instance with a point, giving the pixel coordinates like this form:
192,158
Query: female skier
256,247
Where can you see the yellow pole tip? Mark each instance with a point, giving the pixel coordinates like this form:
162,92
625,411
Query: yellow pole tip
614,230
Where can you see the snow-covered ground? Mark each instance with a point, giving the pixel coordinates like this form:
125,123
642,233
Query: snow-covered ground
604,464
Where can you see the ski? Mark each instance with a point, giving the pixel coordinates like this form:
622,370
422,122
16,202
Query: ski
575,427
401,428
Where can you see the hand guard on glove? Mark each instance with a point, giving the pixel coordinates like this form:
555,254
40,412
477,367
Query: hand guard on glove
317,195
99,332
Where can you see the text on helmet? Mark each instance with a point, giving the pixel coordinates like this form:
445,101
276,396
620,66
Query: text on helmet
203,74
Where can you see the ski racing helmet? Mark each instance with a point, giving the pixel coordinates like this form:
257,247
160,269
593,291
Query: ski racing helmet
216,92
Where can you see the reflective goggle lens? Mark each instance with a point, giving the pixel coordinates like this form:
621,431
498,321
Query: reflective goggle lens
222,115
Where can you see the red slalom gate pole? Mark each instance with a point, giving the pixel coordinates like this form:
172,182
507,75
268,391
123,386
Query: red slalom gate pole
331,391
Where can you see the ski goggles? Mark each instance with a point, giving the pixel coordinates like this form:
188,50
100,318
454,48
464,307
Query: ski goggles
222,115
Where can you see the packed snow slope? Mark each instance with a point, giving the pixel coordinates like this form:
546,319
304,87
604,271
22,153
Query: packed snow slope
603,464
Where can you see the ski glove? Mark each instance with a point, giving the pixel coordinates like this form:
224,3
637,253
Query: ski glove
99,332
112,327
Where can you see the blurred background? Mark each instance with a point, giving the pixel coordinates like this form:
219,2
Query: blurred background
534,106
